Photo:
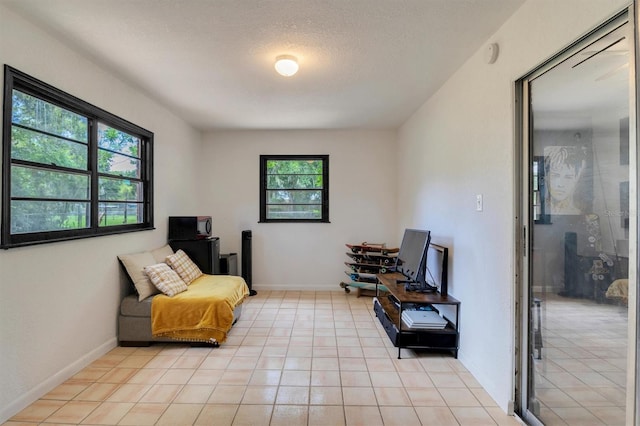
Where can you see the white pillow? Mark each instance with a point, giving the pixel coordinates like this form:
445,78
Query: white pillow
166,279
161,253
134,264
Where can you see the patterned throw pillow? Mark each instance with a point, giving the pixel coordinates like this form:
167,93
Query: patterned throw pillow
165,279
184,266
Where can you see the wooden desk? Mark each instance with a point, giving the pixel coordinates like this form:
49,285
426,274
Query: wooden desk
389,308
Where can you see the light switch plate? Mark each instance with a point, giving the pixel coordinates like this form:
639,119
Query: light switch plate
479,202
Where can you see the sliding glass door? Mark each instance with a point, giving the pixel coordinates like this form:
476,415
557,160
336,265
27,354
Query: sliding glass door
578,268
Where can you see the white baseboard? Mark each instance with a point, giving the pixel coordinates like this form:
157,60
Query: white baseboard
295,287
50,383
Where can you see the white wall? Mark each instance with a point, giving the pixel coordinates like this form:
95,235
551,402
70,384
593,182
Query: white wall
59,302
362,178
459,144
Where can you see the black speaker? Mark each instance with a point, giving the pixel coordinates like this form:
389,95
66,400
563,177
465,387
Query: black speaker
571,269
246,261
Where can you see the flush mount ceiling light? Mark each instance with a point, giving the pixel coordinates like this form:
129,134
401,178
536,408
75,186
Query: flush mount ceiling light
286,65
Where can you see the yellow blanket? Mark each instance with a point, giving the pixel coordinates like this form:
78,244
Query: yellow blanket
619,290
203,313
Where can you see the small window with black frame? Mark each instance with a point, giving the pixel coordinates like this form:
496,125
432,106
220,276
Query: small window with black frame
294,188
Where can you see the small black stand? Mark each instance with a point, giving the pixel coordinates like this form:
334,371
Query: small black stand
246,261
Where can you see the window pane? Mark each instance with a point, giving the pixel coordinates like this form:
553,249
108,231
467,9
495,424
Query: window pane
66,161
39,183
294,181
114,214
294,187
115,140
294,197
294,212
28,145
117,164
287,167
41,216
37,114
119,190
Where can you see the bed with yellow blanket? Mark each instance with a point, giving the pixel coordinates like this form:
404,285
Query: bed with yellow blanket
203,313
619,291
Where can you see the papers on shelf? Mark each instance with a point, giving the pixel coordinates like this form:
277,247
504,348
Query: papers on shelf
423,319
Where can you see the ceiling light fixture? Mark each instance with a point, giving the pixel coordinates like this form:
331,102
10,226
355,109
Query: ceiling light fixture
286,65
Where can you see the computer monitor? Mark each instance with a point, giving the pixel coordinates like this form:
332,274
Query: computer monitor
411,261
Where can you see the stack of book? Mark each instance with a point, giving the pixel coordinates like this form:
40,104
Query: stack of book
423,319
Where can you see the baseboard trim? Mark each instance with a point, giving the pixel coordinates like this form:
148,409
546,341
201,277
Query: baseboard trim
295,287
50,383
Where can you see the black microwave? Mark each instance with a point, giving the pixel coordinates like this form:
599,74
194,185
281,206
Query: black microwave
189,227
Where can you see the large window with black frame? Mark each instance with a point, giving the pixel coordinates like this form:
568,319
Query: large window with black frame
70,170
294,188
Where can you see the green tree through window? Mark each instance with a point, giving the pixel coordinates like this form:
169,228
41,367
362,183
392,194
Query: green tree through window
294,188
74,170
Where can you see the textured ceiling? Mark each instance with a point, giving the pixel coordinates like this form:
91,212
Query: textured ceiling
363,63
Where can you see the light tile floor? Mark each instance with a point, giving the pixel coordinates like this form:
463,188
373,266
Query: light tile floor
581,377
294,358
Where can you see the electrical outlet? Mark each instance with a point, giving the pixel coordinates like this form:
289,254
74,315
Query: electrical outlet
479,202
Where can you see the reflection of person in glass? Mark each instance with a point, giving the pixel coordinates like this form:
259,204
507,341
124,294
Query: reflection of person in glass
563,168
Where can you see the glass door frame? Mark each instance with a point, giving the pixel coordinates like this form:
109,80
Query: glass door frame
524,221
